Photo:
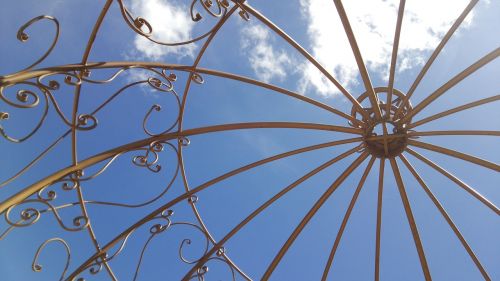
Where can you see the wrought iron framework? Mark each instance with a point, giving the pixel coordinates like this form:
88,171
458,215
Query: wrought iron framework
32,202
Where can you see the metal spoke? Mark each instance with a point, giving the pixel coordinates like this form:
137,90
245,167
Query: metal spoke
12,79
394,57
279,90
454,110
308,56
385,134
379,218
345,220
456,180
359,59
28,191
264,206
456,133
452,82
446,217
198,189
436,52
311,213
411,220
455,154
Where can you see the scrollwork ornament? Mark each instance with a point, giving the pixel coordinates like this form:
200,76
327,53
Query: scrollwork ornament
165,86
70,182
150,158
30,215
215,8
37,267
23,36
184,141
26,99
197,78
140,25
86,122
203,270
29,98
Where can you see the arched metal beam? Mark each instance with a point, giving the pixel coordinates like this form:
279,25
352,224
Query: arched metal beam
25,193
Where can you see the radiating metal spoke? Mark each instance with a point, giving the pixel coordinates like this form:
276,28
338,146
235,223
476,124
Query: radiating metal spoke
454,110
28,191
264,206
456,133
311,213
18,77
396,111
456,180
308,56
411,220
359,59
436,52
455,154
446,217
302,97
452,82
394,57
345,220
379,218
385,134
198,189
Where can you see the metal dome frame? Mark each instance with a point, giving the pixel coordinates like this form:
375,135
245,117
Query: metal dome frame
395,110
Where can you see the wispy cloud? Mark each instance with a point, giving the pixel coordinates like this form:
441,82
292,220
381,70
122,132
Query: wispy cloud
266,61
170,22
373,22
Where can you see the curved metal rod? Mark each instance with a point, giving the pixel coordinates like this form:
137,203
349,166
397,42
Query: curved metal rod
37,267
456,180
308,56
18,77
446,217
23,194
192,78
201,187
58,140
197,61
301,97
359,60
411,220
394,57
149,201
311,213
436,52
23,37
264,206
454,110
38,125
345,220
451,83
456,154
379,218
136,23
74,120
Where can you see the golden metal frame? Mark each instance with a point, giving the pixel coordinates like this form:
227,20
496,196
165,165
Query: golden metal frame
388,146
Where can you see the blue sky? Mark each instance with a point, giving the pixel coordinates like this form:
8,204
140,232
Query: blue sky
251,49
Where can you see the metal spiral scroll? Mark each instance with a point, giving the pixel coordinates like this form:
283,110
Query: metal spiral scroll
32,88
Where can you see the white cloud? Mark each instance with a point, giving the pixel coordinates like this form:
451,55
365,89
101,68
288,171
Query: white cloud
373,23
267,62
170,22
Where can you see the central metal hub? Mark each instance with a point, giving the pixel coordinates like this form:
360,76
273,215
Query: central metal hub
384,137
